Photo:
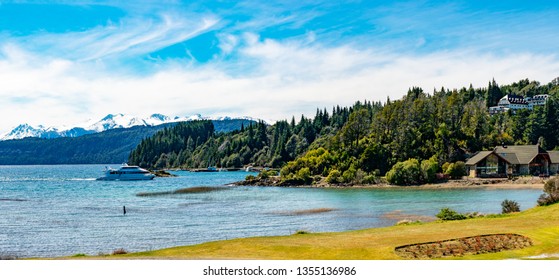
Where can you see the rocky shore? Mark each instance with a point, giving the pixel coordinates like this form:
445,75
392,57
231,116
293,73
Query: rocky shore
527,182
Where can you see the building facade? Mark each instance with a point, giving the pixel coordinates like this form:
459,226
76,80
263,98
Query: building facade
517,102
504,161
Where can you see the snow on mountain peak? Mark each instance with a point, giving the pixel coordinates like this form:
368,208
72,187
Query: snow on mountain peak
110,121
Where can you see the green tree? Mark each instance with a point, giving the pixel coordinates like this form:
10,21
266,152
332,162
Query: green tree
357,126
551,192
429,168
405,173
455,170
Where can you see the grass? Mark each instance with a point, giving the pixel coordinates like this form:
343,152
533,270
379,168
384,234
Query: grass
540,224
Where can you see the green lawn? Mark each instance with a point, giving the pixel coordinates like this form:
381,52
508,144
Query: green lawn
541,224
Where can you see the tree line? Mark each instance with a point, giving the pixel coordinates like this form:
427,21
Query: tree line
358,143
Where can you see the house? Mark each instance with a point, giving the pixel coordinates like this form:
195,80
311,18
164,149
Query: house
517,102
505,161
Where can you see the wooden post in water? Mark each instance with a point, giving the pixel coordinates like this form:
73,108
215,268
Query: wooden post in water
124,209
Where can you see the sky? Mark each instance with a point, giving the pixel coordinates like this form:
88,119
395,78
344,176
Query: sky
65,62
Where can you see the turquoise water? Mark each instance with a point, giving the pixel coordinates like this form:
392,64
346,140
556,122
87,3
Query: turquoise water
61,210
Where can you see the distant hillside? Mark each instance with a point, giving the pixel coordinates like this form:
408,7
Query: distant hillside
111,146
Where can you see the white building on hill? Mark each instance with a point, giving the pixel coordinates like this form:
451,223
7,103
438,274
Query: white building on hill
516,102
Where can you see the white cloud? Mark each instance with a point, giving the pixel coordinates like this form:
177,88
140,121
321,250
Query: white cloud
227,43
284,79
130,37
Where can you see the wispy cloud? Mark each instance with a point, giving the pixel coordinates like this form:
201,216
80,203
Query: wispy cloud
270,61
288,78
127,38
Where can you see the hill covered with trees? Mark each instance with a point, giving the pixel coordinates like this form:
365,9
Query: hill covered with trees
356,144
111,146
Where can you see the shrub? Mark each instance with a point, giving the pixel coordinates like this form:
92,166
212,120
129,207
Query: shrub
265,174
429,168
510,206
302,232
349,175
250,178
334,177
445,167
316,161
120,251
455,170
447,214
405,173
304,174
369,179
551,193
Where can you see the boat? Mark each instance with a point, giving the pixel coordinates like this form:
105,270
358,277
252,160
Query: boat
126,173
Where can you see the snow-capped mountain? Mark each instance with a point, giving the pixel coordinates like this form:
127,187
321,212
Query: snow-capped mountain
111,121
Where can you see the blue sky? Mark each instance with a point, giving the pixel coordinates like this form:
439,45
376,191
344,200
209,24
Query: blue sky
63,62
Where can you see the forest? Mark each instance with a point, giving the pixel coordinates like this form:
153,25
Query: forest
359,143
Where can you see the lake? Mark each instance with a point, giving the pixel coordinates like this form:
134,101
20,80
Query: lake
61,210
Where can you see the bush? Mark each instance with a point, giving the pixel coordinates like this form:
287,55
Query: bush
334,177
120,251
349,175
445,167
304,174
411,172
250,178
510,206
369,179
429,168
316,161
265,174
405,173
551,193
447,214
455,170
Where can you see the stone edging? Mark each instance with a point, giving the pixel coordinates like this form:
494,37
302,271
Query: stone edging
473,245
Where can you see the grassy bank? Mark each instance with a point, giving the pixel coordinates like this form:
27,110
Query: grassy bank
540,224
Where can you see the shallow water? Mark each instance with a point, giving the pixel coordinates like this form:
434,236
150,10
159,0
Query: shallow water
61,210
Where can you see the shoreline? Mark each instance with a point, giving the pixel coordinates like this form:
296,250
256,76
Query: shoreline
465,183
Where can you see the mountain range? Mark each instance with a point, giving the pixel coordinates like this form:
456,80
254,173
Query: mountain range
111,121
109,146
